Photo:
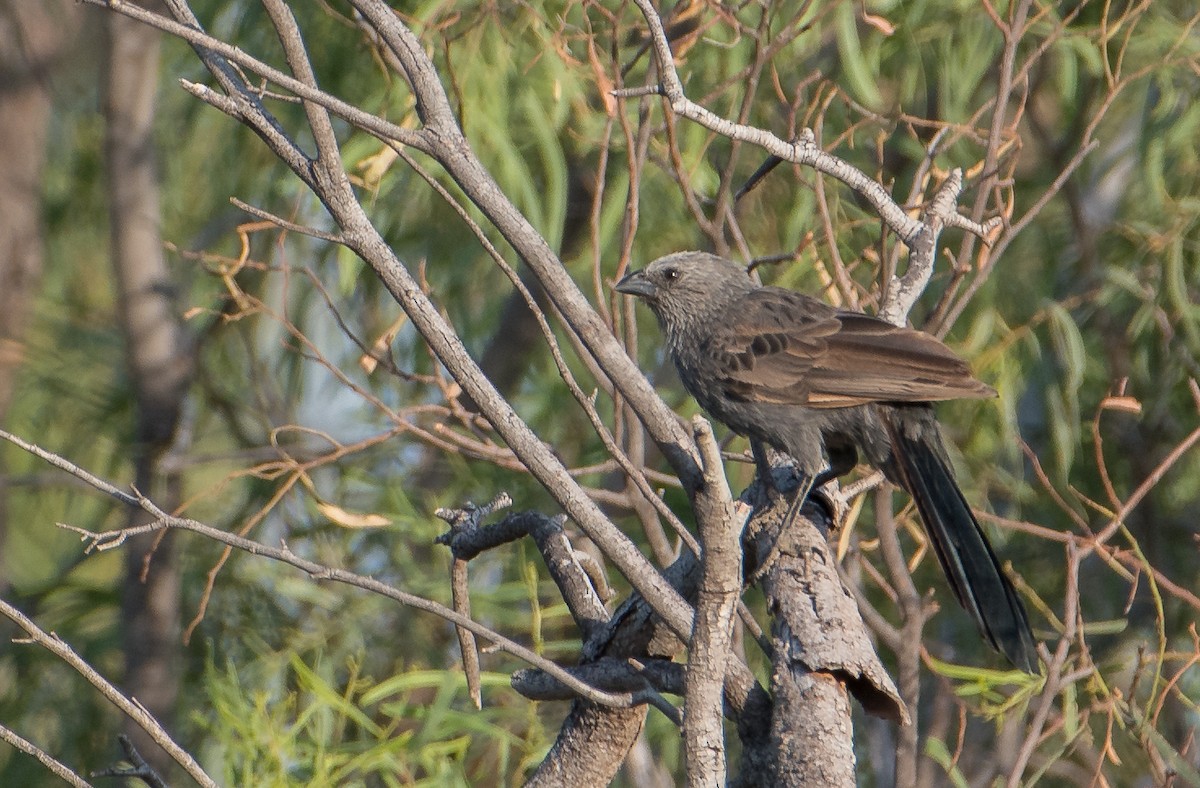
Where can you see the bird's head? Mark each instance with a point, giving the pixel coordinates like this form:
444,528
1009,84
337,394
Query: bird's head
685,288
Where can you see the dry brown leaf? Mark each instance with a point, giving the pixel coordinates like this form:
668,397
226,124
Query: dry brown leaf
339,516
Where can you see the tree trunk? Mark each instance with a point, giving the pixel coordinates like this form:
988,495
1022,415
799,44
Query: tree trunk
33,37
157,365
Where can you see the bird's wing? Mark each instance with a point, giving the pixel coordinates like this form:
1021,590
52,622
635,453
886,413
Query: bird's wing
783,347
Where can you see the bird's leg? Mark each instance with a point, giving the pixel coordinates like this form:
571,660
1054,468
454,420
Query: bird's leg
807,483
789,517
842,459
762,463
771,493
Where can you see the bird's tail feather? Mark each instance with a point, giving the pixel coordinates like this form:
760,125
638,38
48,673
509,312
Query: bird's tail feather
962,548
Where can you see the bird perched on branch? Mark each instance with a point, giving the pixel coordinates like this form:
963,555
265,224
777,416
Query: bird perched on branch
825,385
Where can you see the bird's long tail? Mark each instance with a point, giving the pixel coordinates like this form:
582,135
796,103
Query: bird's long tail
962,548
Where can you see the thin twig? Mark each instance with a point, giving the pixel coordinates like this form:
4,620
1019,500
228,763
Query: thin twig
135,711
66,465
59,769
318,571
802,150
198,38
454,152
461,596
279,221
141,769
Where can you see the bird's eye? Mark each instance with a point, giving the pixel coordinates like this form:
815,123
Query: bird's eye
671,274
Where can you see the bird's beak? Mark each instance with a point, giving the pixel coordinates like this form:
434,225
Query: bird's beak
635,283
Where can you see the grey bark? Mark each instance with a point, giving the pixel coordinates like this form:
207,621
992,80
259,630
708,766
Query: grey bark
822,654
590,747
800,734
719,592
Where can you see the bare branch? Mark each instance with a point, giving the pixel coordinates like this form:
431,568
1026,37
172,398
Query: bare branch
60,770
360,236
328,156
194,35
66,465
134,710
902,292
646,678
460,594
318,571
279,221
141,770
716,603
453,151
920,236
803,150
467,538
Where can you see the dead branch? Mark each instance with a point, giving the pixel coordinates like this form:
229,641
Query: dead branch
132,709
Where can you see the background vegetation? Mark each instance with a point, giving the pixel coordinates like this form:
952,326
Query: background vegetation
1084,317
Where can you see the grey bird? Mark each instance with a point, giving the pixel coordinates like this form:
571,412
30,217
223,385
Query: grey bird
824,385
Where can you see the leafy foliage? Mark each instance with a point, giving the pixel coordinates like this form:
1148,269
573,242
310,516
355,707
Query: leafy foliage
1084,316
